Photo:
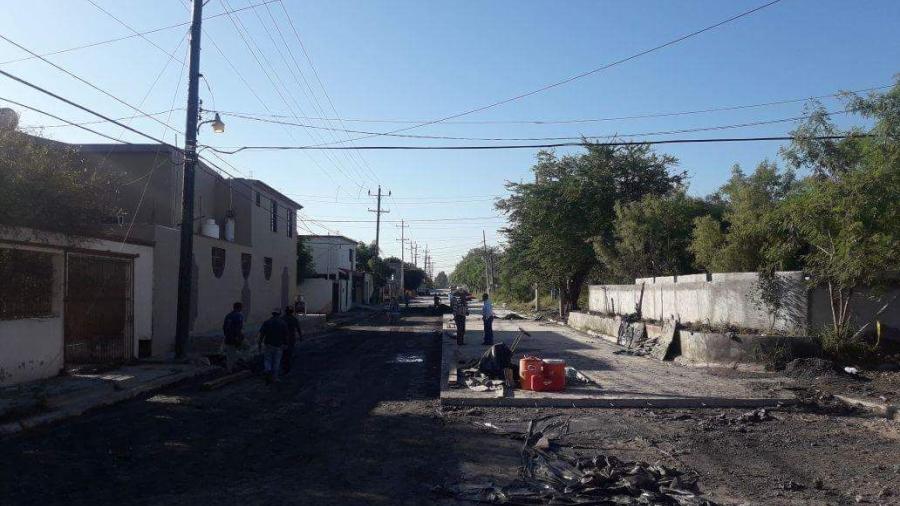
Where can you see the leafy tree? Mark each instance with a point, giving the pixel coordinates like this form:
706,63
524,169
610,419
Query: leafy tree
738,241
50,186
571,205
441,280
469,272
848,213
652,236
364,253
305,263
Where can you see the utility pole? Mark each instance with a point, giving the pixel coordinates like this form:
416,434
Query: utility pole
487,271
186,253
402,240
415,254
378,212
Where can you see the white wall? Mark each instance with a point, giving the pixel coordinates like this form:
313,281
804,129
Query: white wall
33,348
316,293
723,299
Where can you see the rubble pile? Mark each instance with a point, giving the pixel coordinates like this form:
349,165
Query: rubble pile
551,475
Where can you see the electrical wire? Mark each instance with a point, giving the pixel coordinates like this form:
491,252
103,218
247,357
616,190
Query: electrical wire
592,136
65,121
119,39
582,120
542,146
582,74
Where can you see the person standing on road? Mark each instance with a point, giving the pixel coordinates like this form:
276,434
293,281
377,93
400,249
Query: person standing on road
233,330
294,335
460,311
437,300
487,315
272,338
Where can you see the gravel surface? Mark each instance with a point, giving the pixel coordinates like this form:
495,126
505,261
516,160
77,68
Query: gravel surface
360,423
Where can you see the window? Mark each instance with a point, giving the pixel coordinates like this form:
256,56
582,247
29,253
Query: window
267,267
258,199
290,223
274,215
218,261
246,262
27,287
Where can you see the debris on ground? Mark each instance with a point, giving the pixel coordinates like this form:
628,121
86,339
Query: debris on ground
810,368
792,485
551,475
577,377
512,316
853,371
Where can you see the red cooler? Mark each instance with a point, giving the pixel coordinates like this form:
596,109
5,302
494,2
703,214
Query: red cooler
530,367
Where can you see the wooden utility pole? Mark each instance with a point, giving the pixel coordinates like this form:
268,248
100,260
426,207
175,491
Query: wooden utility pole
402,240
378,212
186,248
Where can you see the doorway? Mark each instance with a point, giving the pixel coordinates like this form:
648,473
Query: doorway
98,310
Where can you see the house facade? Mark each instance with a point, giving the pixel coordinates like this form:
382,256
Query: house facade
331,288
244,239
70,301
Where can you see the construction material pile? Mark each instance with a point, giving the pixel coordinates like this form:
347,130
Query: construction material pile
550,475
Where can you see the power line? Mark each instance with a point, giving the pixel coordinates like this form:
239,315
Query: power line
415,221
138,34
459,138
536,146
67,122
583,74
82,80
579,120
132,30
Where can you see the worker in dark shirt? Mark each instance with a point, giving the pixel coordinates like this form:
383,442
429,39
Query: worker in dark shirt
294,335
273,336
233,329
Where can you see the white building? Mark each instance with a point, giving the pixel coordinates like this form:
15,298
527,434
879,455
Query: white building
68,302
334,285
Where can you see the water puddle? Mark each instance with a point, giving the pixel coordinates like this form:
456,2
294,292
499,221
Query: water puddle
405,358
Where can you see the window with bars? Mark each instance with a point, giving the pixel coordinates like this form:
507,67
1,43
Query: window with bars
290,223
274,219
218,261
27,287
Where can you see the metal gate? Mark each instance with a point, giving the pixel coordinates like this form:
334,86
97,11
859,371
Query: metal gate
98,310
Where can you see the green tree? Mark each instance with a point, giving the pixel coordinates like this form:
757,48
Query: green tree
50,186
305,264
652,236
847,215
739,240
364,253
441,280
571,205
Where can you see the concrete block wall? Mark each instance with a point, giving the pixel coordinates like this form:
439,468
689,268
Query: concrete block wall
716,299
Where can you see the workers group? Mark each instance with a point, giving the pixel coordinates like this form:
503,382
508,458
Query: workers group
460,307
276,340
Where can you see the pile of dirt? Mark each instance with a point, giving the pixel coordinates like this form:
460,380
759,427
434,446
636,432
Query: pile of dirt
512,316
810,368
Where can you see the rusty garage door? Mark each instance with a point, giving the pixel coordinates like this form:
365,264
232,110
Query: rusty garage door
98,310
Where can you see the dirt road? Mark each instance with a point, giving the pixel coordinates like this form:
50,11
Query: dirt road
360,423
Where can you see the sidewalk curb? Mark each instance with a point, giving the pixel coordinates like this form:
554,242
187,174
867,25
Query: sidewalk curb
81,406
889,411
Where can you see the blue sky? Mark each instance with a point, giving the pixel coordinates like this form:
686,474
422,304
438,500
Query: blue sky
414,60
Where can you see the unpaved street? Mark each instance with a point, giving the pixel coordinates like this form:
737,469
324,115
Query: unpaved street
361,424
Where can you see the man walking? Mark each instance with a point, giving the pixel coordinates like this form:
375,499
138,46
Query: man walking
460,311
294,334
272,338
233,330
487,315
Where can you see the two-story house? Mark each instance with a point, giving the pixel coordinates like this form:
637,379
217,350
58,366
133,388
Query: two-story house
331,288
244,242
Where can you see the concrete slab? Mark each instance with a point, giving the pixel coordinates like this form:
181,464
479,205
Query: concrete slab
623,380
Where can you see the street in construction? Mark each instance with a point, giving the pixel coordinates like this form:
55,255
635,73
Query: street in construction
361,421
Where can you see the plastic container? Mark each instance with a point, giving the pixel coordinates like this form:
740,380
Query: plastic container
537,383
210,228
528,368
554,372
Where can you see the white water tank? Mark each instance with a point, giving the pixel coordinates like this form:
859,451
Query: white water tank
229,229
210,228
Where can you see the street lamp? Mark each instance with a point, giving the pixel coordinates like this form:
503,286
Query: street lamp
218,125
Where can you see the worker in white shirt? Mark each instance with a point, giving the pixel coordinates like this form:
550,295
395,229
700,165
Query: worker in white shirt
487,315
